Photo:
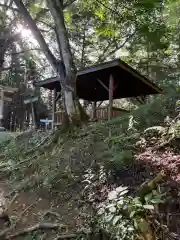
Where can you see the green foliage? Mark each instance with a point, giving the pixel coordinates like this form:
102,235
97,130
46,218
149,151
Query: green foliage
122,159
123,216
58,179
127,130
12,151
152,113
122,147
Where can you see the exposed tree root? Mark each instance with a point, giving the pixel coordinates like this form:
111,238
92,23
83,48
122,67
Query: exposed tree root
28,230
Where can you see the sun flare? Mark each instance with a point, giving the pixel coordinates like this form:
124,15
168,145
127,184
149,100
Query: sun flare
25,33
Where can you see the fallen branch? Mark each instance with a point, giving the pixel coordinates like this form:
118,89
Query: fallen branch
22,213
11,202
32,150
66,236
4,232
4,215
57,215
32,229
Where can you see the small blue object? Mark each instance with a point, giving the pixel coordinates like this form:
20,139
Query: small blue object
46,121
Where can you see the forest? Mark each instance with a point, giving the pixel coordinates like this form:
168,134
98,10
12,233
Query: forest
89,179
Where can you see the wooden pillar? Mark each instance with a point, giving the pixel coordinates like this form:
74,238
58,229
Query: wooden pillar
1,107
53,107
94,110
111,86
46,125
33,116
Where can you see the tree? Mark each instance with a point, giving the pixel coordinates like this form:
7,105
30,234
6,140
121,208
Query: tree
64,67
80,33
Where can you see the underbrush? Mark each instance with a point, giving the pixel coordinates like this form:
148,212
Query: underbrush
94,160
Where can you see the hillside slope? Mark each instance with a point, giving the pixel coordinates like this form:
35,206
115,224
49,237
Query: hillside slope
57,178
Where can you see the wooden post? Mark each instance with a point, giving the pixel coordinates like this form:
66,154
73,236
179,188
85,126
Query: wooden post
111,85
1,107
33,115
46,125
94,110
53,107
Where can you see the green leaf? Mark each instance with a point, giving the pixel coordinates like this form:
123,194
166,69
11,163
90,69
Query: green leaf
112,209
116,219
68,17
150,207
136,223
137,202
121,189
142,225
148,197
132,214
110,205
157,201
123,192
100,14
109,218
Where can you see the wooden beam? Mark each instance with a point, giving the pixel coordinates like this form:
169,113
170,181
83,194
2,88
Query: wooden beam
102,84
140,77
58,95
111,88
93,110
53,107
140,100
8,89
7,99
100,103
1,107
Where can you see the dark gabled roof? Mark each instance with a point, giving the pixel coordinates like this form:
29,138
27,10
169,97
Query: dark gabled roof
50,83
128,82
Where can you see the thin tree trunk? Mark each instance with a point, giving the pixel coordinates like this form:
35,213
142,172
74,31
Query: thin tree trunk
37,34
83,47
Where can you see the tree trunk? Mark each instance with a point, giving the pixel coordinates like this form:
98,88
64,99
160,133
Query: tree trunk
73,107
64,68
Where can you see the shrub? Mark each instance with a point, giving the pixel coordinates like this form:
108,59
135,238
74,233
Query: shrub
125,217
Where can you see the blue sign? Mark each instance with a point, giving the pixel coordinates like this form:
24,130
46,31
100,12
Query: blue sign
47,121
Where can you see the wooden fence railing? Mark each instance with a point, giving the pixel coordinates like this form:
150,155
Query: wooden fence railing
101,114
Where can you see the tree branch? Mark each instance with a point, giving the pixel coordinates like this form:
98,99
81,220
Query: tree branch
41,13
9,37
36,32
47,24
103,56
11,8
69,3
27,50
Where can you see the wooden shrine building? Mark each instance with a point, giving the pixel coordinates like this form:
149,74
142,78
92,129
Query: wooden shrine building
107,81
6,94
